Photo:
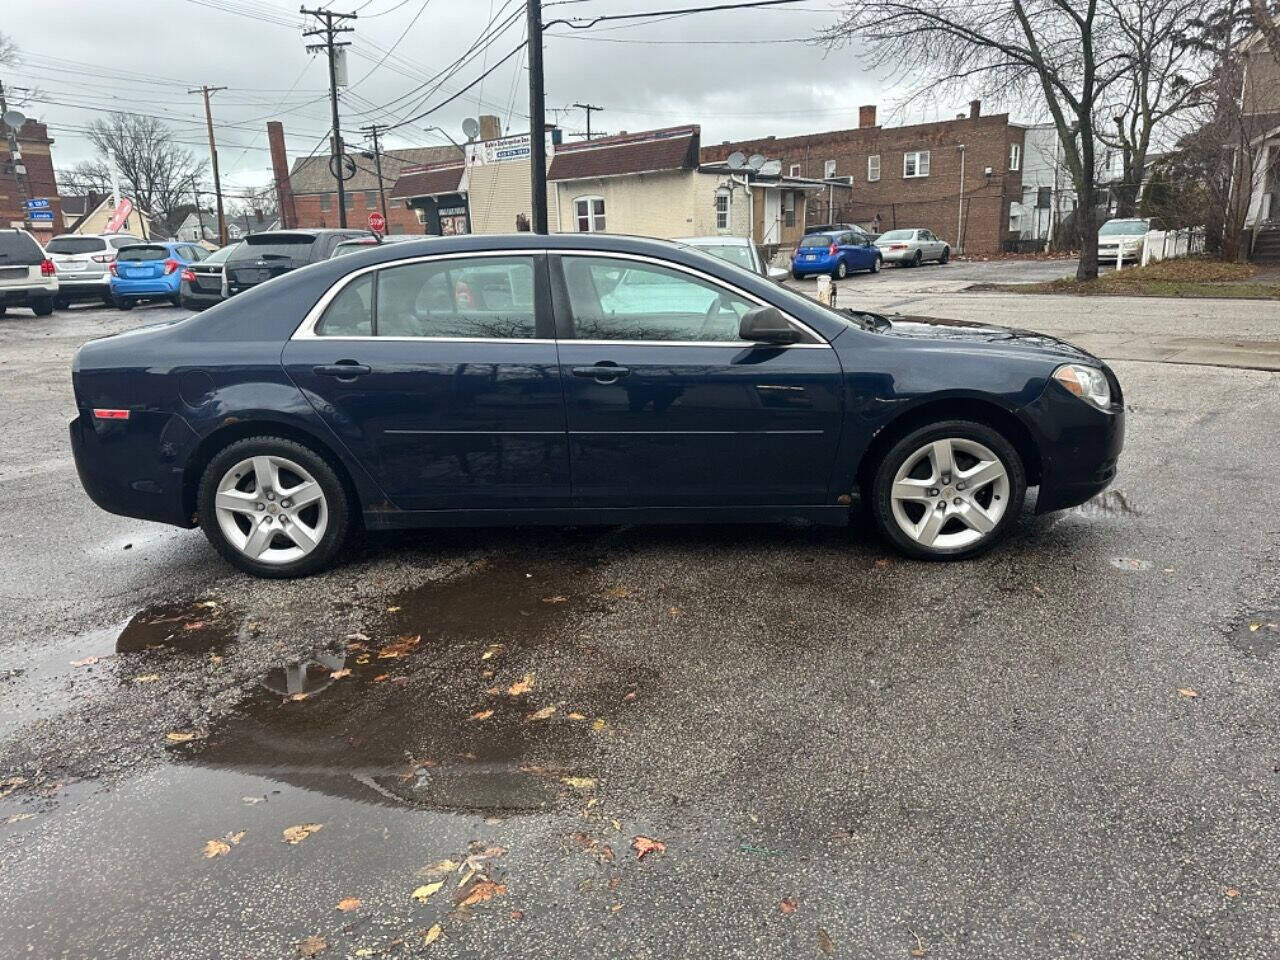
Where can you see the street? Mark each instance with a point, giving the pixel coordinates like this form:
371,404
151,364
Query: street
1066,748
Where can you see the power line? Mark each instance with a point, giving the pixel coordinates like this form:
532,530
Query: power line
586,23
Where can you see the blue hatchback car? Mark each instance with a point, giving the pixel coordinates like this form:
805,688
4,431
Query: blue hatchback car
571,379
151,271
837,252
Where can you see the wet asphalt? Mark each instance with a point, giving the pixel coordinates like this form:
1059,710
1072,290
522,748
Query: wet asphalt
1069,748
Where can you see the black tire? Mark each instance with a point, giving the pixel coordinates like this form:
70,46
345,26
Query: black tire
796,276
336,501
3,309
61,303
880,502
841,271
946,255
125,303
108,300
176,300
917,259
42,308
875,265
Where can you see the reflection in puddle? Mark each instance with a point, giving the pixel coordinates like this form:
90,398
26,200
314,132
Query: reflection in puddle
1109,503
186,627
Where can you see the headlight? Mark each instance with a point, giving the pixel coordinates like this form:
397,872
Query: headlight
1087,383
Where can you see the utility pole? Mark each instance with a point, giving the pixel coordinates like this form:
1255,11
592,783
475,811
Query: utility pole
372,130
537,119
590,108
195,194
329,31
15,156
205,91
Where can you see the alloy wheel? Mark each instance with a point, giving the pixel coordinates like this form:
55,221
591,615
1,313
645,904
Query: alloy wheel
271,510
950,493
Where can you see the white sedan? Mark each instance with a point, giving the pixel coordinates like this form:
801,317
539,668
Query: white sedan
910,248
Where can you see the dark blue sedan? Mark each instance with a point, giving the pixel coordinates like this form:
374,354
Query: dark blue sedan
569,380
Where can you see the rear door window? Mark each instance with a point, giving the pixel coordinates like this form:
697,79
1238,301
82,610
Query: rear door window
71,246
18,249
469,298
142,254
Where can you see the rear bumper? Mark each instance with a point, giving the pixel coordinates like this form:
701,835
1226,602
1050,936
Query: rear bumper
157,287
73,285
28,292
134,467
1080,447
896,256
202,298
821,265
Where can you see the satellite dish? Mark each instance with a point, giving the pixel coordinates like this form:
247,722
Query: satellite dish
756,162
737,160
470,128
14,119
772,168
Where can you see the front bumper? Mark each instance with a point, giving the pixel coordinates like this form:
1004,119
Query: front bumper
134,467
1108,254
1080,445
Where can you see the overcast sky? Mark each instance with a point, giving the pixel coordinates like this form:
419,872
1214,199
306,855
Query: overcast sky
739,74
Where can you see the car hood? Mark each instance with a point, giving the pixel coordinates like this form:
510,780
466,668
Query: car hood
967,333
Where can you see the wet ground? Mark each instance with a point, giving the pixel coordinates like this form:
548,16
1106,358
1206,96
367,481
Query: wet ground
1066,749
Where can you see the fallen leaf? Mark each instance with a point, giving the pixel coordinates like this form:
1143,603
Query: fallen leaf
616,824
480,891
481,715
432,935
8,786
365,952
252,800
402,647
615,883
313,946
347,904
675,613
492,651
86,662
577,716
215,848
606,853
147,678
825,943
358,637
580,783
393,609
788,905
630,697
16,818
235,838
615,908
426,891
619,592
598,724
362,659
296,835
297,697
517,914
381,677
555,599
339,674
643,846
1187,692
521,687
1232,893
208,604
179,736
195,625
543,714
442,868
919,952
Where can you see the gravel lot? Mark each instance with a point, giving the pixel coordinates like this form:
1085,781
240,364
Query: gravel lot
1066,749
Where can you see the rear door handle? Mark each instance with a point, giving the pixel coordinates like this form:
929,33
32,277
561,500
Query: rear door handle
602,372
342,370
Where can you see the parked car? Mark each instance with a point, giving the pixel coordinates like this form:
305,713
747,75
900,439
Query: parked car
28,278
910,248
151,271
574,379
263,256
838,253
1122,238
84,264
202,282
371,240
736,250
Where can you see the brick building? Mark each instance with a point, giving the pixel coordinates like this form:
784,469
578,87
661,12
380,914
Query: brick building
35,146
954,177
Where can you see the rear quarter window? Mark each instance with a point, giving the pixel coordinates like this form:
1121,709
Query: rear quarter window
19,249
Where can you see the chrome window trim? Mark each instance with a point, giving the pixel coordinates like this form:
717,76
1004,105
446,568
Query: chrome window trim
306,329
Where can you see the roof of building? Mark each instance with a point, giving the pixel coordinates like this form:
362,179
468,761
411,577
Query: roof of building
311,174
428,180
674,148
77,205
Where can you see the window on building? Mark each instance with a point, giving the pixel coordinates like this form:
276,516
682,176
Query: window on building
371,199
1015,156
351,201
788,209
873,168
326,202
795,170
828,169
722,209
589,212
915,163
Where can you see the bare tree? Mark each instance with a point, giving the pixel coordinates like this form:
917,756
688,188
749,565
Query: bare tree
8,50
1066,54
155,170
87,176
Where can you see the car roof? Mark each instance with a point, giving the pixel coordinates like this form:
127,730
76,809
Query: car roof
714,241
308,231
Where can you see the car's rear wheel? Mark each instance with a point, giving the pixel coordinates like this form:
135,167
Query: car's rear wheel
841,271
61,303
3,309
42,308
946,255
875,265
125,303
948,491
176,300
274,507
917,259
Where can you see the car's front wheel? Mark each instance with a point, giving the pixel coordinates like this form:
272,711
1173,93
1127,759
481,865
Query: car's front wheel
841,271
946,255
948,491
274,507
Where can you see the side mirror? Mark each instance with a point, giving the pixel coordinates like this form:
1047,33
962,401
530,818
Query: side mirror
767,325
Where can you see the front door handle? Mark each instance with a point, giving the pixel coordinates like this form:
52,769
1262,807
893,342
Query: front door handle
342,370
602,372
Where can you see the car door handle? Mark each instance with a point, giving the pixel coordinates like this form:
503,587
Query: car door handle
602,372
343,370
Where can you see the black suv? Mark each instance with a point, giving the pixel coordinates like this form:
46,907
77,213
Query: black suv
262,256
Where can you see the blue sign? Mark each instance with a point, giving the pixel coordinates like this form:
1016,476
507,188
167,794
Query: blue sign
41,214
40,203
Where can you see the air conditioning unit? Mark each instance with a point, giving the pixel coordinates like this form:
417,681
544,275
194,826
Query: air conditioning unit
422,215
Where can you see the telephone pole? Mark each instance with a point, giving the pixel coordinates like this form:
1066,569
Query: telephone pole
372,131
537,119
15,157
331,47
590,108
213,153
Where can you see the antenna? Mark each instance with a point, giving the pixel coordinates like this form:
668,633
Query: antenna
756,162
737,160
772,168
470,127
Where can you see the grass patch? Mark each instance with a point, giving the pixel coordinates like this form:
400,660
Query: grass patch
1189,277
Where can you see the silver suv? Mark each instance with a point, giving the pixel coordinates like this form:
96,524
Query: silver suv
84,264
27,277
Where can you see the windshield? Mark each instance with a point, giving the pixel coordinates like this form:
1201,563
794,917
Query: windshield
70,245
275,246
898,235
1123,228
737,254
135,254
816,240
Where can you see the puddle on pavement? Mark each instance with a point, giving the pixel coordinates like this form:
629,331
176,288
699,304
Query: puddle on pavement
189,627
1257,635
1115,504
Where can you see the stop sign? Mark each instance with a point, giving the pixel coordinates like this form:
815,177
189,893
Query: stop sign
377,222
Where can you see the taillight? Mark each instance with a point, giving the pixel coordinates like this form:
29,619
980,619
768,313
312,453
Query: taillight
189,275
113,269
833,250
898,246
103,257
170,266
47,269
102,414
